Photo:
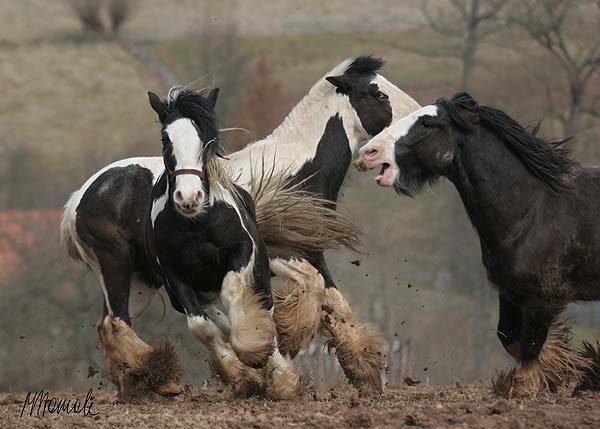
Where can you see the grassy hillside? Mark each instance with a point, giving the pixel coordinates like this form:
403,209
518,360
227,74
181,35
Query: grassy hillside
71,104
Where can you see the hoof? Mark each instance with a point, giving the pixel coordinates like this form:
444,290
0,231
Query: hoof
283,381
553,371
158,369
591,373
358,346
250,384
169,389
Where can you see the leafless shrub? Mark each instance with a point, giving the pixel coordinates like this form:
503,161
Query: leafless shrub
89,13
119,12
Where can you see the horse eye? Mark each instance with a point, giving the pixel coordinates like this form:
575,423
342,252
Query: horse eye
381,95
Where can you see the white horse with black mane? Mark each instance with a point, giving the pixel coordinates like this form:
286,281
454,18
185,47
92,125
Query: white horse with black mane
304,161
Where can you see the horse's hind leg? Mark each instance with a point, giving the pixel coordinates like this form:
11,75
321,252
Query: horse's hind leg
297,313
358,346
135,366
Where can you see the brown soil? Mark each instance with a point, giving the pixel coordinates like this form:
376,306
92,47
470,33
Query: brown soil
407,406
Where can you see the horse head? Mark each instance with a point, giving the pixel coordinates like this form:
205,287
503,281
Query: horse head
190,141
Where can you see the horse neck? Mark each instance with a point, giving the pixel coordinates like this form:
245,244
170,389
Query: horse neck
498,192
295,142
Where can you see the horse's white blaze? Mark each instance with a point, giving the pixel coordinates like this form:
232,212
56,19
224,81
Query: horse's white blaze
187,150
384,144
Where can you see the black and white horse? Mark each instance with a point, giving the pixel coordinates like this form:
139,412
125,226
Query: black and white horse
535,210
313,149
191,229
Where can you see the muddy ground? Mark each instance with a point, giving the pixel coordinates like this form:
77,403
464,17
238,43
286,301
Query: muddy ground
406,406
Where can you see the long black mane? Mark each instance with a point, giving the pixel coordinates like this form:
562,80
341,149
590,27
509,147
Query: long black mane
544,159
365,65
182,102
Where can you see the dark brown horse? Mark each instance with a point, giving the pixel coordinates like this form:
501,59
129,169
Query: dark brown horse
536,212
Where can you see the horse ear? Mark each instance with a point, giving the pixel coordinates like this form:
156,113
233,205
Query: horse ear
212,97
158,105
342,83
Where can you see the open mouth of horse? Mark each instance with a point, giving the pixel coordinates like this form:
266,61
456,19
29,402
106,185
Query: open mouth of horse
386,175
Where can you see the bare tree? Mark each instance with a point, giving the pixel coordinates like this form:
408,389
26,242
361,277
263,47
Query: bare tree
472,20
89,13
568,31
119,11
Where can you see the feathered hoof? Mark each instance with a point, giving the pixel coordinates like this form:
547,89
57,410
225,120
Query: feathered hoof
282,380
359,347
159,371
556,367
359,351
297,316
169,389
590,379
253,331
250,384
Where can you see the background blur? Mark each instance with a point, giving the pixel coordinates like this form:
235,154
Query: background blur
74,76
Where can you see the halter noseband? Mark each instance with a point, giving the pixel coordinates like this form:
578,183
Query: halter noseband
191,171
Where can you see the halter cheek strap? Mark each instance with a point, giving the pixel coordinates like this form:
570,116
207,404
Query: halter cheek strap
191,171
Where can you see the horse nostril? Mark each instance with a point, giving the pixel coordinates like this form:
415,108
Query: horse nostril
178,196
371,153
199,195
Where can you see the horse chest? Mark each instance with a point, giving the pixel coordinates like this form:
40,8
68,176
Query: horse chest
197,252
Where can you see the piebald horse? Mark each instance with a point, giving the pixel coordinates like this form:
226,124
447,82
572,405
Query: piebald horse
536,213
313,149
191,229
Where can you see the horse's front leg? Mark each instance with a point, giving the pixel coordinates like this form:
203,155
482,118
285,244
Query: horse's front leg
297,312
247,297
249,310
209,325
510,326
547,362
358,346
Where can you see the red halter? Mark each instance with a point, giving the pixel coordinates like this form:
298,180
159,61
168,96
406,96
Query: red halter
191,171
